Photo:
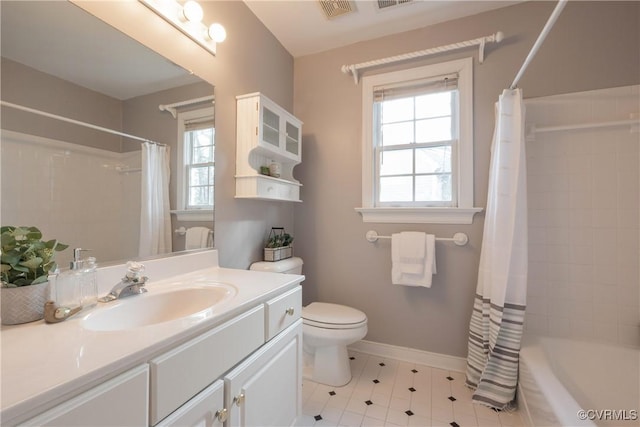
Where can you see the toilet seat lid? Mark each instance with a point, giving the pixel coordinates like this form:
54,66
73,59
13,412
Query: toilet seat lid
333,314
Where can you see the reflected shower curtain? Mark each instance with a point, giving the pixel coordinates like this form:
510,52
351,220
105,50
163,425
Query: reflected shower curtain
497,320
155,219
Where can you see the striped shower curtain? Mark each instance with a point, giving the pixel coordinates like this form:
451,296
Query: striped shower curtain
497,320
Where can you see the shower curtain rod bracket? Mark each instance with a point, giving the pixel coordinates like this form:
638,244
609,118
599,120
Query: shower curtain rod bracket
171,110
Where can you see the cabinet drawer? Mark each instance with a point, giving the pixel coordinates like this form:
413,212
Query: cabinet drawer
121,401
282,311
200,411
181,373
277,190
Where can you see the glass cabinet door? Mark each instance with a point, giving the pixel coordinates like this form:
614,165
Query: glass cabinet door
270,127
292,139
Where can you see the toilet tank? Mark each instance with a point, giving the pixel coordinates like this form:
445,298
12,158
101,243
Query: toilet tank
291,265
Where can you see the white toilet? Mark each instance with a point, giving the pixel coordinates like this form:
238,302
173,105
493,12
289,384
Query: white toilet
327,330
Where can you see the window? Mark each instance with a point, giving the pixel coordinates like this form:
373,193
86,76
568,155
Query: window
196,164
417,145
415,137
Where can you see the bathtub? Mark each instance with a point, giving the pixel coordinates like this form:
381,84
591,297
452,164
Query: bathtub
560,377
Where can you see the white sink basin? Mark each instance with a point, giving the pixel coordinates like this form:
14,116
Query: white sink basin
154,308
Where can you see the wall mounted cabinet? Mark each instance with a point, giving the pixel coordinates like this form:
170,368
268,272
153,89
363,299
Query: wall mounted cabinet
266,133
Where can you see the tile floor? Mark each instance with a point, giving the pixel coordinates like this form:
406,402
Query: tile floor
386,392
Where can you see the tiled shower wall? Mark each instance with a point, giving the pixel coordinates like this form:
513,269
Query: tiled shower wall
78,195
584,234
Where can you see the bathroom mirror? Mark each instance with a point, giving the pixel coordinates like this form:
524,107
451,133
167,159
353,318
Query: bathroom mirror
79,185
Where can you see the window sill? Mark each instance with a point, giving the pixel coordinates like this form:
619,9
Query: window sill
194,215
433,215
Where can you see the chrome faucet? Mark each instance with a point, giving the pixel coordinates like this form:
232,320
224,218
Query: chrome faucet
131,284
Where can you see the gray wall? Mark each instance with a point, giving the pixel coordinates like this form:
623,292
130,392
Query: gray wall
250,60
593,45
23,85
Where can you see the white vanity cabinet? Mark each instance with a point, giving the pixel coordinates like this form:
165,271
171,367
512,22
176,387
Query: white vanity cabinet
259,356
243,371
266,133
120,401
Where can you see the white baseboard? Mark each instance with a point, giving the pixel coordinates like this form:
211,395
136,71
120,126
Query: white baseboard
406,354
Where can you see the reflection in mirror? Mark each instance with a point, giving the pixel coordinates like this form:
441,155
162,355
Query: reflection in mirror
83,186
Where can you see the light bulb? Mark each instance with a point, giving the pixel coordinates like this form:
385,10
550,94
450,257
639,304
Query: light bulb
217,33
192,11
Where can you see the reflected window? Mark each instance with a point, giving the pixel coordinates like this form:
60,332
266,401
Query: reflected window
196,170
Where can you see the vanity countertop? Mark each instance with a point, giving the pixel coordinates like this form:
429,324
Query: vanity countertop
45,364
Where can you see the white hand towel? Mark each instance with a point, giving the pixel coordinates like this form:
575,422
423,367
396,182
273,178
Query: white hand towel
401,277
197,237
412,247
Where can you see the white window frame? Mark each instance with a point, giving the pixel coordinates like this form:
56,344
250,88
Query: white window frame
182,212
464,211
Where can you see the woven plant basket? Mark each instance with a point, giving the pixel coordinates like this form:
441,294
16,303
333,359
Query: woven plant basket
277,254
23,304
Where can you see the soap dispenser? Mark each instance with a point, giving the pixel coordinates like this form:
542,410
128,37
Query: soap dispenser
68,283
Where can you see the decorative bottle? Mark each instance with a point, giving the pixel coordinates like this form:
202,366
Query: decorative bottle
89,283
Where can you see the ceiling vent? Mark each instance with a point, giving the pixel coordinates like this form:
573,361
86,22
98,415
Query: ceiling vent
385,4
333,8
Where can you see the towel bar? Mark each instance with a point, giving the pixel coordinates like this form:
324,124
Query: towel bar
459,239
182,231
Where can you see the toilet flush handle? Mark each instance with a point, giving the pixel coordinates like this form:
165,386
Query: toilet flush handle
290,311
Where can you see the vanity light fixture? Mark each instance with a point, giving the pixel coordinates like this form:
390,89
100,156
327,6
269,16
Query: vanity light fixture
192,11
217,33
187,17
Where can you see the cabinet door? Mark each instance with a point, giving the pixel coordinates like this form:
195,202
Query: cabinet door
121,401
292,138
265,390
270,125
206,409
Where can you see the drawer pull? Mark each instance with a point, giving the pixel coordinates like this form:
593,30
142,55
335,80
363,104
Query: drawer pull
222,415
290,311
239,399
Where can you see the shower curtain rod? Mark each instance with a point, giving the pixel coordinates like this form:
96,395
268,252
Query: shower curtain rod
543,35
533,130
172,108
77,122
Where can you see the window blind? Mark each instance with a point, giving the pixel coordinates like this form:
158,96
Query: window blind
198,123
415,88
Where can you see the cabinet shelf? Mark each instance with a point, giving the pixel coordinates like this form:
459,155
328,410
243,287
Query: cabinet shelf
266,133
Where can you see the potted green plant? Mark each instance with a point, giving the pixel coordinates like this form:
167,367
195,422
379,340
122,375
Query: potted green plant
278,245
26,262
